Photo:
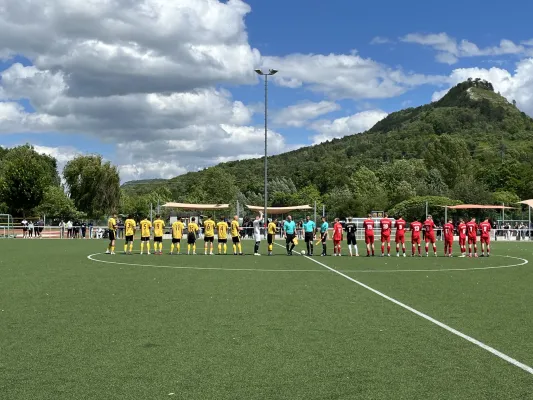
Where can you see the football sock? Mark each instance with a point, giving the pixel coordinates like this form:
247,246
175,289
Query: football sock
148,247
256,247
225,248
234,248
382,248
172,247
350,249
287,247
324,248
178,246
188,248
292,246
194,247
112,249
125,248
142,247
131,247
219,248
356,250
239,246
388,248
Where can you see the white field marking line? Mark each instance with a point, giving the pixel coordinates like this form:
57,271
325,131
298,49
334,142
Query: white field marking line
433,320
90,257
524,262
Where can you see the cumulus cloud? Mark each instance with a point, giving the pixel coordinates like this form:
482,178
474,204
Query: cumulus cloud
342,76
360,122
380,40
299,115
513,86
449,50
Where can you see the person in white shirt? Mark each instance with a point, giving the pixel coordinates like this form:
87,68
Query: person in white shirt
30,229
257,233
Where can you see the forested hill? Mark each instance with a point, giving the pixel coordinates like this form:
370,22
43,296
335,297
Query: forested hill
471,146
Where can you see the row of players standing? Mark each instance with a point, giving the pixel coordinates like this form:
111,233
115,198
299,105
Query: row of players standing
468,232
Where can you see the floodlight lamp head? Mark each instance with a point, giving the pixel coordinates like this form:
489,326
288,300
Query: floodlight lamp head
273,71
258,71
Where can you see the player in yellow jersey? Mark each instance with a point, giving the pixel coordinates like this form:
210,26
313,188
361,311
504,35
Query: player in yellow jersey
271,234
159,228
222,229
209,235
112,228
192,230
146,228
177,234
130,227
235,236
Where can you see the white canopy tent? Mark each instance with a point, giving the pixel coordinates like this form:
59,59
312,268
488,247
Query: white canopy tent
187,206
280,210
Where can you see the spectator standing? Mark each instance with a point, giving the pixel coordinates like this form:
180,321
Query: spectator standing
24,224
83,229
30,229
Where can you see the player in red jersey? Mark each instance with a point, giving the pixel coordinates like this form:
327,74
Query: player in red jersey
386,226
400,224
462,237
429,227
471,229
485,228
448,238
369,235
416,229
337,237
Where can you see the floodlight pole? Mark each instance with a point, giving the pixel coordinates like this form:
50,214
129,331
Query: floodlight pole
266,75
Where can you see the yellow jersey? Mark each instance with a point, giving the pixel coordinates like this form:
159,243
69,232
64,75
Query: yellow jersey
177,230
234,228
192,227
130,225
112,224
145,228
209,227
272,228
222,230
159,226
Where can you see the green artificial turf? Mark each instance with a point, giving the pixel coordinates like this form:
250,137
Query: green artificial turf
154,327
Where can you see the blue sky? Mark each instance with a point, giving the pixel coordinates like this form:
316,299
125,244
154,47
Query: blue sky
171,87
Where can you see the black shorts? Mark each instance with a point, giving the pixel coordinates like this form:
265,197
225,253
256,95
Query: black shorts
145,239
209,239
111,235
308,237
191,238
222,240
270,238
290,237
324,237
236,239
350,239
158,239
176,240
129,238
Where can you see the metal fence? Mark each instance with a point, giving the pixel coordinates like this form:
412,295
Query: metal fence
101,232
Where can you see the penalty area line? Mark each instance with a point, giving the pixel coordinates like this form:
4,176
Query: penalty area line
442,325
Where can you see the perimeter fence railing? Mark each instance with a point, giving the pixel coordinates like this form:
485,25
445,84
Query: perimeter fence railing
246,233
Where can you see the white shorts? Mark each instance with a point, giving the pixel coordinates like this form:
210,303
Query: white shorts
257,238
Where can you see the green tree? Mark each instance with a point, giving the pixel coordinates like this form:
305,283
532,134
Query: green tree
368,191
471,191
93,185
450,156
503,197
416,207
24,176
56,204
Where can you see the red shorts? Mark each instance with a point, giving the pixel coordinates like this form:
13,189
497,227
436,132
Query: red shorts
462,241
485,239
448,241
472,240
369,239
385,238
400,239
416,240
336,242
430,237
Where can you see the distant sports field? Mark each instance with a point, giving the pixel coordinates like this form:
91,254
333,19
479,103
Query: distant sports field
231,327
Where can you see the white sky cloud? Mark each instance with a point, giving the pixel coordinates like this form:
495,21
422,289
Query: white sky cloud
298,115
357,123
380,40
450,50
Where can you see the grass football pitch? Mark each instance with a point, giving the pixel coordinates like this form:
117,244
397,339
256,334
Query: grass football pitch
226,327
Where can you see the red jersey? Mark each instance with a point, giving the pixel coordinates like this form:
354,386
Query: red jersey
400,227
416,228
448,231
337,231
385,224
429,225
485,228
471,228
462,230
369,227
